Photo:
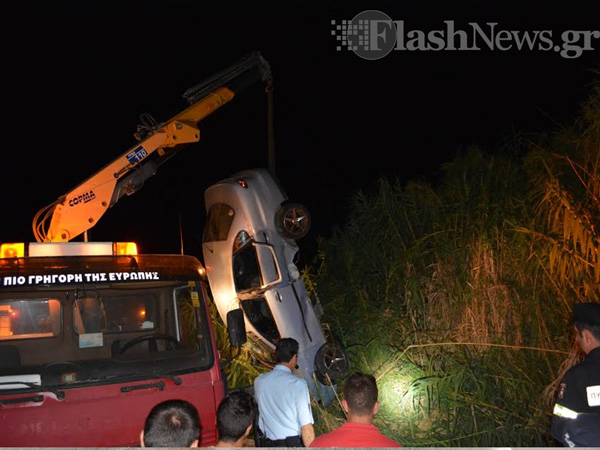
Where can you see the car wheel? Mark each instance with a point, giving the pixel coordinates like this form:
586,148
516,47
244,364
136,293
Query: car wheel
293,220
331,363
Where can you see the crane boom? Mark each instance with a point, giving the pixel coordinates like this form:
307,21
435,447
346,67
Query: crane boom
80,209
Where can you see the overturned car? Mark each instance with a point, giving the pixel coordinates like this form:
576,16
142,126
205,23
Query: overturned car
249,249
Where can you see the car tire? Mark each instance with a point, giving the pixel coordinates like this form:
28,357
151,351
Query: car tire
293,220
331,363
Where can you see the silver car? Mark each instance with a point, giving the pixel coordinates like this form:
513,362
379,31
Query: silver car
250,250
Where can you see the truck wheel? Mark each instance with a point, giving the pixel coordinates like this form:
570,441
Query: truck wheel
331,363
293,220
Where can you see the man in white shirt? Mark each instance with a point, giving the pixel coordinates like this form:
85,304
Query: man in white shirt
284,413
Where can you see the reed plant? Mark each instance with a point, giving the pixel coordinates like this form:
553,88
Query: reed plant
456,294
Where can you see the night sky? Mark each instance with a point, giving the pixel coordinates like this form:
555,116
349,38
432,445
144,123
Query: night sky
76,79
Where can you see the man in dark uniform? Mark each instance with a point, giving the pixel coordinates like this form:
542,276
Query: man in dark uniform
576,419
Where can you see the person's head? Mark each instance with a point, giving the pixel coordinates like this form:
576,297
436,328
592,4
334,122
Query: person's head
172,423
286,349
360,395
235,416
586,319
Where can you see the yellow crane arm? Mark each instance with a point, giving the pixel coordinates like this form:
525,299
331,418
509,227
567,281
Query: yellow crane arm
80,209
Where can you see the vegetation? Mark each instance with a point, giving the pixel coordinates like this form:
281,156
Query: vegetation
456,294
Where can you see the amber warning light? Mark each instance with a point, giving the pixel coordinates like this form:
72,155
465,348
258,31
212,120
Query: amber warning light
17,250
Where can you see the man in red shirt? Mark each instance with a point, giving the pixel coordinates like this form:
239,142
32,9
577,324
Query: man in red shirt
361,405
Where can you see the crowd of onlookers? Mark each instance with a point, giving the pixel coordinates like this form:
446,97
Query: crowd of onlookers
175,423
279,413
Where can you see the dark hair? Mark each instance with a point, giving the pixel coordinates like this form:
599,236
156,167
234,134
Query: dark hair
592,328
285,349
172,423
234,414
360,392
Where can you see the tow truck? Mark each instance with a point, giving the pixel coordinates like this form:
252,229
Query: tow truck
93,334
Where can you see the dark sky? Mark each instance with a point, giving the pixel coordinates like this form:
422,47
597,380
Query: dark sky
76,79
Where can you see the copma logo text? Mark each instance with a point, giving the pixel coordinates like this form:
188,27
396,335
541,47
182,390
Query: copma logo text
373,34
83,198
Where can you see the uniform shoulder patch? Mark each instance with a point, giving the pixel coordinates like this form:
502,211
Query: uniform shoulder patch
561,391
593,395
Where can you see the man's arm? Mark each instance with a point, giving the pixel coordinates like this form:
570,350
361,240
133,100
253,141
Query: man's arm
561,414
308,434
565,406
557,428
305,416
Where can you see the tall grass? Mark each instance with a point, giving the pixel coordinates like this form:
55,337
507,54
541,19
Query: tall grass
456,296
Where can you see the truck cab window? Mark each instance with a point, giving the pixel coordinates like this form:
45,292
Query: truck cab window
89,315
28,319
114,313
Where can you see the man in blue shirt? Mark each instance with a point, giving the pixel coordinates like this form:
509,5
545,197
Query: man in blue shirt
284,413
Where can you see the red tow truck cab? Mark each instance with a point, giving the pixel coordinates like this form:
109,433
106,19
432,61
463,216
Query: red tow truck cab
92,336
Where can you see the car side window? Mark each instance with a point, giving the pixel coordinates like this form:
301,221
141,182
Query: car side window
259,314
218,222
246,271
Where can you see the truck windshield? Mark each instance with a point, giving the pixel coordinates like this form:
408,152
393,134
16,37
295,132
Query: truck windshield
109,330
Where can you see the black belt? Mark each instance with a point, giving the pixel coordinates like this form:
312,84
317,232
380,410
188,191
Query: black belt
290,441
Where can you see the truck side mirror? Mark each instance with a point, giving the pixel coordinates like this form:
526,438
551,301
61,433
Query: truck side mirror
236,327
